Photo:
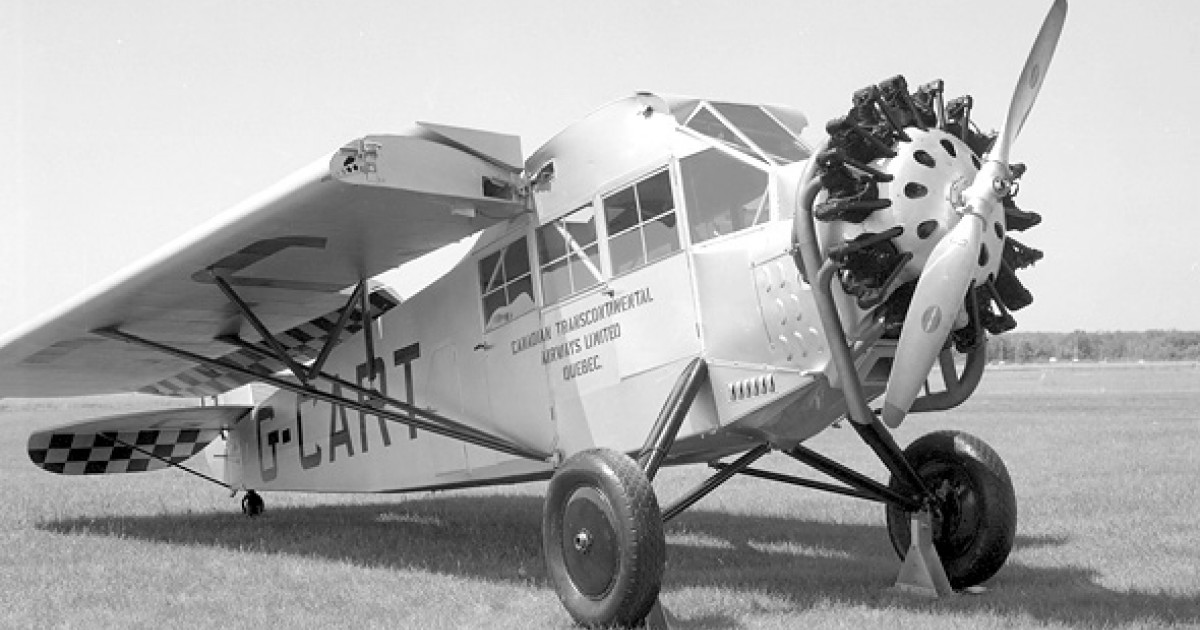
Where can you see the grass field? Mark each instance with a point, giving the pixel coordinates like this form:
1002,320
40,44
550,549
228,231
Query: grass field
1105,459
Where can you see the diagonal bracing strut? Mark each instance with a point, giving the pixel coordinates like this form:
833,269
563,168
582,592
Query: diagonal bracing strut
411,415
112,438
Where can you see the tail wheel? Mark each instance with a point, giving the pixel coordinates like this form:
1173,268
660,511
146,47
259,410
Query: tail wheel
252,504
602,538
975,515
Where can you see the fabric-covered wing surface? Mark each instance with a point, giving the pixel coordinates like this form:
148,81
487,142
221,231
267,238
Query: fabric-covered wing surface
294,253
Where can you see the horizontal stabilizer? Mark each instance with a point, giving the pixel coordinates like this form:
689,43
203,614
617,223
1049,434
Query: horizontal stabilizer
136,442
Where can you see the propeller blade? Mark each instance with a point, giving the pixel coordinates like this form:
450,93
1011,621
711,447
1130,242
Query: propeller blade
1032,77
947,275
935,305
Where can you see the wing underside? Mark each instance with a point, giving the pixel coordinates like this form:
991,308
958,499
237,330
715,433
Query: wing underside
293,254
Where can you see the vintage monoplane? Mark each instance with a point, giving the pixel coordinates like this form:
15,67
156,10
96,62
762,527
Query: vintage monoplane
686,257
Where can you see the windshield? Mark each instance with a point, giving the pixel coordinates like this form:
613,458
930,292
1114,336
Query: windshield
750,130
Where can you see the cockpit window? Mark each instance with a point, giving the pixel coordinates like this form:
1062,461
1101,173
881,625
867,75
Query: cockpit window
764,131
761,136
641,223
723,194
708,124
569,254
506,284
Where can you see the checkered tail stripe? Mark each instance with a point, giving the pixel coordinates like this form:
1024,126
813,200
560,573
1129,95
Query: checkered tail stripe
111,452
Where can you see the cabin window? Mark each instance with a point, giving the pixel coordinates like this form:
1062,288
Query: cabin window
723,194
641,223
506,283
569,253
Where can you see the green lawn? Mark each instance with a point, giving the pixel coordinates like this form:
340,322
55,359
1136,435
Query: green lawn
1105,460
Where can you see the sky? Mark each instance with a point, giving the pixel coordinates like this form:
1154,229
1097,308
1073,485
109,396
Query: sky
133,121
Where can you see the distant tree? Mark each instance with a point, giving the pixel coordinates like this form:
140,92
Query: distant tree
1150,345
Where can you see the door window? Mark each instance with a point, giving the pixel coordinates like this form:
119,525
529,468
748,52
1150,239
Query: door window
570,254
506,284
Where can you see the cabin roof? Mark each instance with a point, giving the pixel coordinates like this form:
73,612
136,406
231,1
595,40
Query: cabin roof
642,131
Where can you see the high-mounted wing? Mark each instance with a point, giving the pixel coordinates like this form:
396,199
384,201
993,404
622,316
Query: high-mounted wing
294,253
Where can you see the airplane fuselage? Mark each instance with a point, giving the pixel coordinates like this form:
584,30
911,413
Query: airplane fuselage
658,232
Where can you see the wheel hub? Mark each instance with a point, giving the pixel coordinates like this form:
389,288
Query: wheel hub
955,518
583,541
591,547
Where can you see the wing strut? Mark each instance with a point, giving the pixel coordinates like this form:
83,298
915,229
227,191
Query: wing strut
343,319
261,328
368,334
410,416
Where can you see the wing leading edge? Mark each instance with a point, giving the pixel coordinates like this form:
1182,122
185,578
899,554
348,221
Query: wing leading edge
294,252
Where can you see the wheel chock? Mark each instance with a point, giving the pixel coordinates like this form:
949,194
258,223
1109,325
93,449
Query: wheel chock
922,572
657,619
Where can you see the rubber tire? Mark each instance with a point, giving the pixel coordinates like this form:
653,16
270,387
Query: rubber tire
613,487
974,543
252,504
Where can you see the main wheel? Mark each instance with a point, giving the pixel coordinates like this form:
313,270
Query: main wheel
602,538
975,517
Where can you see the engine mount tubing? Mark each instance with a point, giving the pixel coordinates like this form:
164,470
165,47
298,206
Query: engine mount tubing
852,478
839,349
413,416
674,410
808,251
714,482
971,376
804,483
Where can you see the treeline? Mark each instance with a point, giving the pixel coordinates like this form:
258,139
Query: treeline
1151,345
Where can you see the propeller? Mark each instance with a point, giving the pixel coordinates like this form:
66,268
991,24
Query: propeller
956,260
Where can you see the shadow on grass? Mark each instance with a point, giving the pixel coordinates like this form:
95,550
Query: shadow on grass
498,538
